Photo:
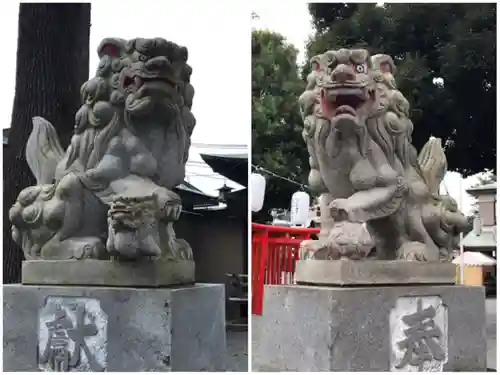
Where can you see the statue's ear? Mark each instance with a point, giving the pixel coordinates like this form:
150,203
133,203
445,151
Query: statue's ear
316,63
384,63
385,67
112,47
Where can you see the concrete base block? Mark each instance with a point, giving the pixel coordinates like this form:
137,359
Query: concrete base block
371,272
57,328
403,328
143,273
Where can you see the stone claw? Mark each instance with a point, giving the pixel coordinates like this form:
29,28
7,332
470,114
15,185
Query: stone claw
338,209
413,251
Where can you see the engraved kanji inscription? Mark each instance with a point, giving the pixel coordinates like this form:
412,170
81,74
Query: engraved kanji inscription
72,335
56,352
419,329
422,338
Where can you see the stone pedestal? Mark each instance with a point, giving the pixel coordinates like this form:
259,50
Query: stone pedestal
91,328
371,328
137,273
373,272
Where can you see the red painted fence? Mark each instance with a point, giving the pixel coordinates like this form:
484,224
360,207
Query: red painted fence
274,253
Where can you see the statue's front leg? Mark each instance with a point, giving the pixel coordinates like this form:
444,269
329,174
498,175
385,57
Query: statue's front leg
80,230
172,246
365,205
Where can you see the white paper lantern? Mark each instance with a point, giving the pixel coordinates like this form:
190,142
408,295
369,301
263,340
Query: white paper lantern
299,212
258,191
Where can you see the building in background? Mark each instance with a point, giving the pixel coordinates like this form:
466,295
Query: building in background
482,237
218,230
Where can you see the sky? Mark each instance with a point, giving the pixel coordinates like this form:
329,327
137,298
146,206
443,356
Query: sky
292,21
222,102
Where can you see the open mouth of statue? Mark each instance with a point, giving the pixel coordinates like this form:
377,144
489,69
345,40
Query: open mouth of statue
141,85
144,92
339,101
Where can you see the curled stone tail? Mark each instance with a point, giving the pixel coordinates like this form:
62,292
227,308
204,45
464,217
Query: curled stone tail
43,151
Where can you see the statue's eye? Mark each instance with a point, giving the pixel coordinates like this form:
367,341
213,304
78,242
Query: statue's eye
360,68
143,57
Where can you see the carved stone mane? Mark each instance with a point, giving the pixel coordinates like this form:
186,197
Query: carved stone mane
131,142
358,133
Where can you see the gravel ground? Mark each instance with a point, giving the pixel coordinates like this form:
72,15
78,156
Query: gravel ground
491,333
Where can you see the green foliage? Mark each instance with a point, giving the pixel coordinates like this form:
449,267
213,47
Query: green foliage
453,42
277,144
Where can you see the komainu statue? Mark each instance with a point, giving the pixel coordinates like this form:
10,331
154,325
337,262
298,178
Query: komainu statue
109,195
375,190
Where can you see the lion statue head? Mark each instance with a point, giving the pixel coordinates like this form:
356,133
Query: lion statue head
142,85
358,132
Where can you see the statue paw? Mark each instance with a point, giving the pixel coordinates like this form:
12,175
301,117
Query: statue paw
347,210
169,205
171,211
345,240
88,248
352,240
332,251
183,249
73,248
317,249
413,251
339,209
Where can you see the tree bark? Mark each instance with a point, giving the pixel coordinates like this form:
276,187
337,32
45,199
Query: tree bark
52,64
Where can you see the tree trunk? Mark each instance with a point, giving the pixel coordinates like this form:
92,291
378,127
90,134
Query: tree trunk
52,64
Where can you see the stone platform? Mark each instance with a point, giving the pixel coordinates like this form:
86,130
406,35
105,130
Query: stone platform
143,273
60,328
371,328
373,272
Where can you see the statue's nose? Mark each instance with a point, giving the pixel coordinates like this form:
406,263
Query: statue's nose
158,63
343,73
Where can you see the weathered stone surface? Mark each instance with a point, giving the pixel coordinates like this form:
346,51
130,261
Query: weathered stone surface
368,272
144,273
357,129
174,329
313,328
128,151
